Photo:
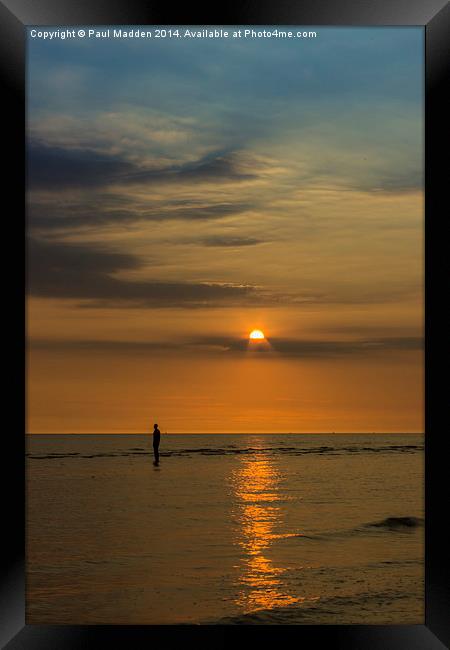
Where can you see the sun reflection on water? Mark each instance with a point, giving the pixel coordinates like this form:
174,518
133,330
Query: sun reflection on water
258,516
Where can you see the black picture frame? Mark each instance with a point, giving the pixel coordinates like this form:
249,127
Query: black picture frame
433,15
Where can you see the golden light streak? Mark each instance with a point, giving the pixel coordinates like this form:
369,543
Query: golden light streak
255,486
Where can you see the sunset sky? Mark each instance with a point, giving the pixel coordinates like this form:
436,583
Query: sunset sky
184,192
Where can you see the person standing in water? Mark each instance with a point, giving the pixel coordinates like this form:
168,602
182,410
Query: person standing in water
156,440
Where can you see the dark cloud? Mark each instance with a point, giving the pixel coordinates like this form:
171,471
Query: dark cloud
399,181
315,348
139,347
216,166
93,274
57,216
371,332
55,168
338,348
290,348
392,178
199,212
88,273
229,241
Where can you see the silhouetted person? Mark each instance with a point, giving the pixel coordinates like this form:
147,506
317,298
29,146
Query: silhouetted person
156,439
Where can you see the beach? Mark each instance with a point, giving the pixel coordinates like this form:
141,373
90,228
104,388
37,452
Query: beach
228,529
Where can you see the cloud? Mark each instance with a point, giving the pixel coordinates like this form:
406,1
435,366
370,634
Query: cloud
55,168
299,348
289,348
397,182
395,176
88,272
314,348
217,166
230,241
113,210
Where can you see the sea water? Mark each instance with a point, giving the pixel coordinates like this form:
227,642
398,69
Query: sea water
248,529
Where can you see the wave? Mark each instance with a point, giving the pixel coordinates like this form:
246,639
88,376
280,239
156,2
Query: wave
232,450
389,524
333,608
396,523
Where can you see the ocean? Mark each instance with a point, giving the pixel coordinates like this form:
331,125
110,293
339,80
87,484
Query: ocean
228,529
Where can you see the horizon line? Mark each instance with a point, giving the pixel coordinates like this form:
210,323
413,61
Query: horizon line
223,433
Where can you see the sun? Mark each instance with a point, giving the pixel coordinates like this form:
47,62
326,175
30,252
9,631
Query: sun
256,334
